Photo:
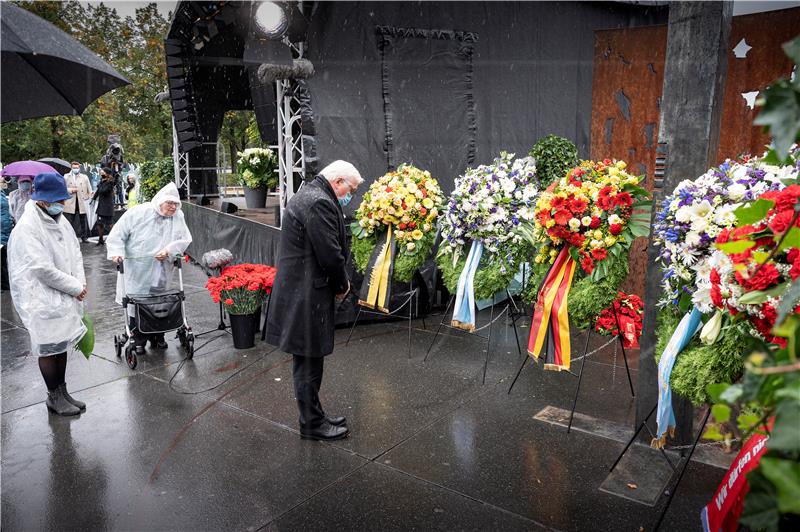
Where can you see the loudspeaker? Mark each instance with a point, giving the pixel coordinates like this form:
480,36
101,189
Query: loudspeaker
228,207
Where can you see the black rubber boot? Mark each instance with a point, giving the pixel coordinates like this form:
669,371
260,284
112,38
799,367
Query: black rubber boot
80,404
56,402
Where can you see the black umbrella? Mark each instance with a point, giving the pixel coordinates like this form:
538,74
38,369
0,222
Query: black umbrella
45,71
59,164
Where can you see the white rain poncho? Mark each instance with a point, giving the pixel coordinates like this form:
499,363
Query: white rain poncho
45,269
139,235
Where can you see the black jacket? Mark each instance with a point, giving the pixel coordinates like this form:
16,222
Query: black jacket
311,271
104,196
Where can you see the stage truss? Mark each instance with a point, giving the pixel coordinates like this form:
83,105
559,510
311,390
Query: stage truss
181,161
291,157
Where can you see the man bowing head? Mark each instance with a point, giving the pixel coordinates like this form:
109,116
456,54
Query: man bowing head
311,277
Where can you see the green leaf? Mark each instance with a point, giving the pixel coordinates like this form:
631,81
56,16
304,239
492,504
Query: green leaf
712,433
746,422
785,476
721,413
786,430
760,505
715,390
790,300
753,212
738,246
781,115
791,240
792,49
732,394
790,392
755,297
760,256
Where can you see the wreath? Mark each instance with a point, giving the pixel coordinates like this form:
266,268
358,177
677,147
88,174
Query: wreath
407,200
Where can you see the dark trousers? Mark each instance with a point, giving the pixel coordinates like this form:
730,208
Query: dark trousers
79,224
307,373
4,266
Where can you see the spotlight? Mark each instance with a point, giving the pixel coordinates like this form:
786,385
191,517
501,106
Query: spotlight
271,20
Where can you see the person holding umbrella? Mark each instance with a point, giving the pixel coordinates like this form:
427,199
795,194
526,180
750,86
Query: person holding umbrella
6,223
18,198
76,206
48,286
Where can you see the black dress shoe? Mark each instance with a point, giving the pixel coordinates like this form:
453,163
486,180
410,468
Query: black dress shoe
325,432
337,421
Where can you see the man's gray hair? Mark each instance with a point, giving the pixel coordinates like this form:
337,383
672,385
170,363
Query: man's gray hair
343,169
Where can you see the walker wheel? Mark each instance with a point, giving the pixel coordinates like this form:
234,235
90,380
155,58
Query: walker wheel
118,346
130,356
190,347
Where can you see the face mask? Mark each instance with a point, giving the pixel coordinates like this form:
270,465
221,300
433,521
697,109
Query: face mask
76,170
345,200
25,186
55,209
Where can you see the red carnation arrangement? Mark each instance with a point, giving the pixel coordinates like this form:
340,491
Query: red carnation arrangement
743,282
242,287
629,310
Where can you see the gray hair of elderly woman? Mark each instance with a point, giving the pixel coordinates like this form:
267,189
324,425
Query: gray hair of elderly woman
342,169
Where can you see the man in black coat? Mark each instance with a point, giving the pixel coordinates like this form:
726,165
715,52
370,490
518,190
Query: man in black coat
311,277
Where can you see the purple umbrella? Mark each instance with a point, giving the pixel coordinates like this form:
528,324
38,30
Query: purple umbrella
31,168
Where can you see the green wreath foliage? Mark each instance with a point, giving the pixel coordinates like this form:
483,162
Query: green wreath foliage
699,365
588,297
489,278
555,156
405,264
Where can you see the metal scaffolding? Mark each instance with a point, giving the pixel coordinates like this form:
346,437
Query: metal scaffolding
291,157
181,161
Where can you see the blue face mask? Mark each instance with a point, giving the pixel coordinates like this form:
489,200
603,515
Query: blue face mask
345,200
25,186
55,209
76,170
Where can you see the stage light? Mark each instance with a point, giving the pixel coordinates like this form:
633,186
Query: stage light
271,19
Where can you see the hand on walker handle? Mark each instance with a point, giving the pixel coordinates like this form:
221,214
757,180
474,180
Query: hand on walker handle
116,259
161,255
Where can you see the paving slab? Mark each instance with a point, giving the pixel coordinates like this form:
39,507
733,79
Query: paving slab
144,458
380,498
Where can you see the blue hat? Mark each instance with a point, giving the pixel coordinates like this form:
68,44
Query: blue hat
50,188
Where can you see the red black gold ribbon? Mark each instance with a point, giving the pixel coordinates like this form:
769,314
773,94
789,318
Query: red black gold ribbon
550,323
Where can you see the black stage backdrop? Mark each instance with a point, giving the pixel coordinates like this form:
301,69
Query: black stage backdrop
445,85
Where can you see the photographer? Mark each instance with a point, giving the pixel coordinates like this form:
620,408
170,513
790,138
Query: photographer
104,196
114,160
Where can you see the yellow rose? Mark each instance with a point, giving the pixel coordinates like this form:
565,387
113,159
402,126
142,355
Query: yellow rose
621,165
417,234
410,201
598,234
427,203
610,241
398,202
550,223
613,171
400,234
434,213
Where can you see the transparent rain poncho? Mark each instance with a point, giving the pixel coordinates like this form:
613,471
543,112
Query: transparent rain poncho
45,268
139,235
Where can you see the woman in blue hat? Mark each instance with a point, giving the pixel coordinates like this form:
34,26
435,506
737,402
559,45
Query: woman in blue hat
48,286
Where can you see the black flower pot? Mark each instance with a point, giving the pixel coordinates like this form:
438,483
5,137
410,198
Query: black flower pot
242,330
257,320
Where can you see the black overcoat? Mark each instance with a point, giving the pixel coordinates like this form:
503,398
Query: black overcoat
104,196
311,271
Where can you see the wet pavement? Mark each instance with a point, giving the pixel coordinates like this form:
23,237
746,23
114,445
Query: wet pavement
217,447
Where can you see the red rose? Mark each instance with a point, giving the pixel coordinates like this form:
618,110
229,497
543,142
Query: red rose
388,189
423,211
599,254
623,199
562,217
229,301
402,226
578,205
595,223
575,183
780,222
412,225
615,229
607,162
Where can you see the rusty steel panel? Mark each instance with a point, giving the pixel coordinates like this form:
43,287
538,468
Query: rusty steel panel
764,63
626,93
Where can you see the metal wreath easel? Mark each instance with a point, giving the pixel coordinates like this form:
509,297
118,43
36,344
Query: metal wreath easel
488,336
583,362
413,295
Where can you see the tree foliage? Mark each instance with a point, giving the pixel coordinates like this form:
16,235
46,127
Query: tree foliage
135,47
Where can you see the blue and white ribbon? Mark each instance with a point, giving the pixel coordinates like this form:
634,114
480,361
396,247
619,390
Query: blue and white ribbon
464,310
687,327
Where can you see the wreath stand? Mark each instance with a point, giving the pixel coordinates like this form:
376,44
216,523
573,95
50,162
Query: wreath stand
683,464
583,358
413,296
488,336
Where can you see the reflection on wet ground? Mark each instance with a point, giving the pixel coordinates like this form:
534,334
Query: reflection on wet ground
431,448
